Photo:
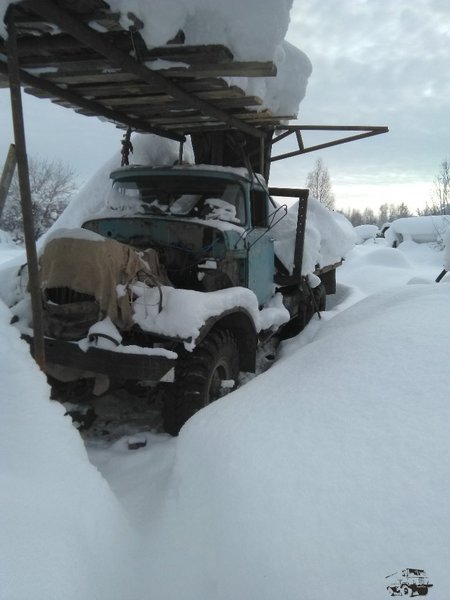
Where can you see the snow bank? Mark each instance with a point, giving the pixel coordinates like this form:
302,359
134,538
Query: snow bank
365,232
329,237
5,239
417,229
303,484
447,250
64,535
376,267
9,250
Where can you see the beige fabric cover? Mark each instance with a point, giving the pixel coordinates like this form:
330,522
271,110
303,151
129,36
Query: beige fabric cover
96,268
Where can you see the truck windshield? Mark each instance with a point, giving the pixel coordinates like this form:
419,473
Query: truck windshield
192,197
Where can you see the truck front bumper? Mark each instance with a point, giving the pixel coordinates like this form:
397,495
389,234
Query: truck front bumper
119,365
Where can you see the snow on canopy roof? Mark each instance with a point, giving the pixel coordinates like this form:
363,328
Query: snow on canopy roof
209,39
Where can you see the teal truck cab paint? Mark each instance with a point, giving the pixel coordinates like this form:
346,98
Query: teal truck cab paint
203,223
182,246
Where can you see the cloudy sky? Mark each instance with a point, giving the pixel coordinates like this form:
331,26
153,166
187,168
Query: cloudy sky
375,62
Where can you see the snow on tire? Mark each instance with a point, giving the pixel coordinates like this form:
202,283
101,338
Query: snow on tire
200,378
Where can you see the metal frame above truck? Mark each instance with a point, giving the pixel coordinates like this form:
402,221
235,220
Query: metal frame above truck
88,62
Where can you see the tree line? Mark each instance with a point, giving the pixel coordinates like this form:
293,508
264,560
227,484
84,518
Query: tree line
53,184
319,183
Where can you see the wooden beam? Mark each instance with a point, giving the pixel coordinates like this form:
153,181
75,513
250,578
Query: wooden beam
90,65
287,192
94,107
232,69
25,196
132,87
173,108
94,40
229,94
57,49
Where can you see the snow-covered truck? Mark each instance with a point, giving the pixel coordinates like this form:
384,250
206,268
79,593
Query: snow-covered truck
178,280
409,582
195,269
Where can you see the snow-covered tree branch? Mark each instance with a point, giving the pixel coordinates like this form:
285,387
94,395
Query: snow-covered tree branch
52,184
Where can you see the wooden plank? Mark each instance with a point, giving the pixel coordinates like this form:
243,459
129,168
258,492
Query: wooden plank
62,48
208,53
80,73
232,69
62,44
137,87
88,61
94,40
98,109
157,99
182,118
149,105
114,76
211,126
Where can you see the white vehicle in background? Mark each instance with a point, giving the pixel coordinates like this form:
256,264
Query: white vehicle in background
409,582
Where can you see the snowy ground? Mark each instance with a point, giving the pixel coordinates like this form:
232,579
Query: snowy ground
314,480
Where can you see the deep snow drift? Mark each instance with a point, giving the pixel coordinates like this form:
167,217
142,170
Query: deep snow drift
316,479
64,533
430,228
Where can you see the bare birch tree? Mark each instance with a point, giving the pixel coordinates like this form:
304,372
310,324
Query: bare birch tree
319,184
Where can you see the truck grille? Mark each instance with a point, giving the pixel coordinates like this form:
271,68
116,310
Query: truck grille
65,295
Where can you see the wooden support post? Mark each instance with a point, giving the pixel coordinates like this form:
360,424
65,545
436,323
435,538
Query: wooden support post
25,194
7,175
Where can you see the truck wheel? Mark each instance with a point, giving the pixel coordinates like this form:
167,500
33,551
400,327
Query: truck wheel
406,590
391,591
199,378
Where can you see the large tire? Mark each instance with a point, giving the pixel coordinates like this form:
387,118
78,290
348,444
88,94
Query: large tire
199,377
406,590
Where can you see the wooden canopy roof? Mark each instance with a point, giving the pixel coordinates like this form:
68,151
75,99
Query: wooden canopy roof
76,53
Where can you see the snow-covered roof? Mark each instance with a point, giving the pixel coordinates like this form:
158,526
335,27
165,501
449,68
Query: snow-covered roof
169,67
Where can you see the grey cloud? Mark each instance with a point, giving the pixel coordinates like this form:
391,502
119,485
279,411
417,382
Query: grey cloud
379,62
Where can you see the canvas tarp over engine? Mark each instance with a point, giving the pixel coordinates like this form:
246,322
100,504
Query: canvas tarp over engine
95,268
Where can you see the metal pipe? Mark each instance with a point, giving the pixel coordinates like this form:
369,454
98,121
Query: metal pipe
25,194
